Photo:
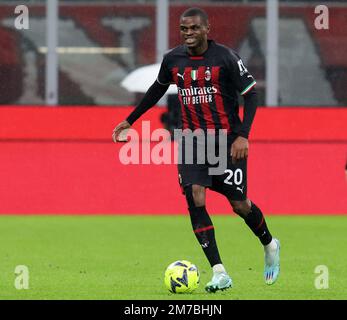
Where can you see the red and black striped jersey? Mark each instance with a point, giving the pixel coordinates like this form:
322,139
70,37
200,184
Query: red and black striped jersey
207,86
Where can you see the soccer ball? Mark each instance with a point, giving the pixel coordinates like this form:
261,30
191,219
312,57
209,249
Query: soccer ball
182,277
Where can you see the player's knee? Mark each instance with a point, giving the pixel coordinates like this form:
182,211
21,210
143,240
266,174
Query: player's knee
198,195
242,208
195,195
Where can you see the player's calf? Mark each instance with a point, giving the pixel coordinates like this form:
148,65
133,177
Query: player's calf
255,220
203,229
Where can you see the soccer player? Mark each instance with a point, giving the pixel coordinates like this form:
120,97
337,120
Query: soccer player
208,76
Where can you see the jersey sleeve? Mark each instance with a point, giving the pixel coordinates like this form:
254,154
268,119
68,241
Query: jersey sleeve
240,76
164,76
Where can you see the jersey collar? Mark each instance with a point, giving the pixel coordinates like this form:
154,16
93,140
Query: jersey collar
200,57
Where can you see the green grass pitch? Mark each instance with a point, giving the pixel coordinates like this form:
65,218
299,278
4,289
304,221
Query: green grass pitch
124,257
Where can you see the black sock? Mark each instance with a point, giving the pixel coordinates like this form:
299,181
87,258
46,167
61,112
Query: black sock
204,232
256,222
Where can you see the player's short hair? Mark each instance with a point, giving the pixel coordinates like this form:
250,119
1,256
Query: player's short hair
191,12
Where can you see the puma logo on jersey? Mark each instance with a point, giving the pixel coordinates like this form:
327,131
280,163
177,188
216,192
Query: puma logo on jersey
240,189
180,75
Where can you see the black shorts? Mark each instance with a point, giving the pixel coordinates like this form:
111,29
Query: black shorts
231,181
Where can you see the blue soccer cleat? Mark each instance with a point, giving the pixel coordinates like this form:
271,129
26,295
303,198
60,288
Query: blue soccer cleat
272,264
220,281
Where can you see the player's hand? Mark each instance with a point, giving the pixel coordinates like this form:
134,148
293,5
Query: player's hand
119,132
239,149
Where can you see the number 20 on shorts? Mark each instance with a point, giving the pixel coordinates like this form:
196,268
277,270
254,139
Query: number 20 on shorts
237,175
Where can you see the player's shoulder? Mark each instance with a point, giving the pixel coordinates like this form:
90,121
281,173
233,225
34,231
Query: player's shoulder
226,51
175,52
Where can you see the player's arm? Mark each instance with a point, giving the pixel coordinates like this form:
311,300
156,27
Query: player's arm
250,108
152,96
240,146
245,83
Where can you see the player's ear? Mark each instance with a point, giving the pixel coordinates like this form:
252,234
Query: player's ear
207,27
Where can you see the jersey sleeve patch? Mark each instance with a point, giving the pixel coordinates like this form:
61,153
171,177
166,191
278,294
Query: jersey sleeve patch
248,88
